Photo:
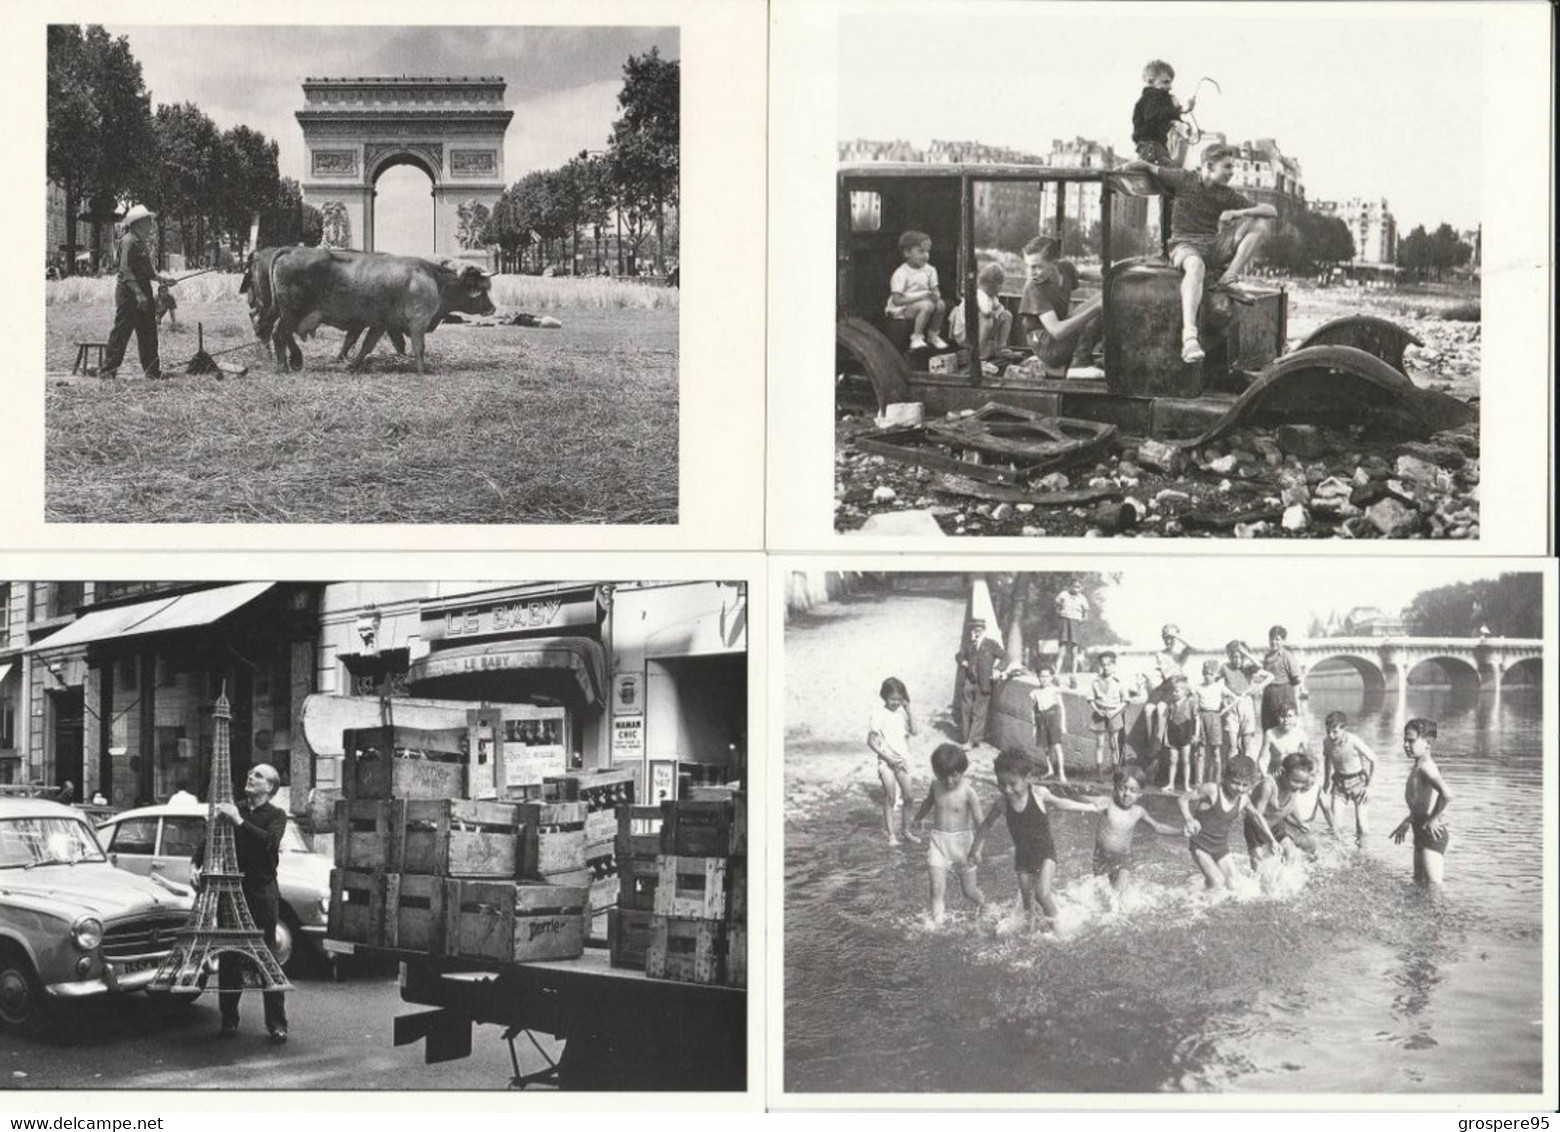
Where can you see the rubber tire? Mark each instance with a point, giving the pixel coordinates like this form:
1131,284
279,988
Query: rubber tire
286,937
21,994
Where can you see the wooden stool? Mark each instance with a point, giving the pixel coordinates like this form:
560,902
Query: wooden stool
84,357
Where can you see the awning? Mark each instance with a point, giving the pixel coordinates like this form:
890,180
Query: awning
577,656
161,615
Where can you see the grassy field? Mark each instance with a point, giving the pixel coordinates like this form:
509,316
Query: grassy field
511,425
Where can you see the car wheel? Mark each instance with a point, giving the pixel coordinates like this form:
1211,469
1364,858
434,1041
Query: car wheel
284,941
21,995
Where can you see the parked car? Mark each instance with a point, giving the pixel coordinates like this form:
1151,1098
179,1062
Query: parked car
158,840
71,925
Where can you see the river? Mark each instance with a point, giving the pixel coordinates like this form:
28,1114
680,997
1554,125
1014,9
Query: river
1337,976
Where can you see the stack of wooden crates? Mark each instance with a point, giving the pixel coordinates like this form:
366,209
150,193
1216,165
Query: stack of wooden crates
602,793
422,868
682,903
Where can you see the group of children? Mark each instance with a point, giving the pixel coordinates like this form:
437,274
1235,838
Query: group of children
1266,806
1199,209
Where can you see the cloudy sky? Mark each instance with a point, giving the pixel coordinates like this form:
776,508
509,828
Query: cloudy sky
1373,103
562,84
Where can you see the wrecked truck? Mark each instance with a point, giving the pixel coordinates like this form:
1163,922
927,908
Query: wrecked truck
1018,423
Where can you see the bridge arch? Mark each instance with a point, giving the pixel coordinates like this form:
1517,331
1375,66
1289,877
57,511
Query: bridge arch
1528,670
1464,676
1369,672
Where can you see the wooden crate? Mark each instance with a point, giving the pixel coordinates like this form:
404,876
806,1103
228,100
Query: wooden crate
736,889
703,829
572,878
639,835
638,879
628,936
604,892
356,907
686,950
416,910
600,789
691,887
736,955
601,827
444,838
402,762
553,840
515,923
597,931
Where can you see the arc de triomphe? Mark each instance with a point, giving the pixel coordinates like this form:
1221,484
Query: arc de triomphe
356,128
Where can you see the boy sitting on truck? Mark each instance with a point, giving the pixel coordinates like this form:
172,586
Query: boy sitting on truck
996,321
913,295
1061,341
1200,238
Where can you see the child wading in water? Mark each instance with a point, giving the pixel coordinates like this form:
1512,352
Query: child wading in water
1108,698
1346,774
1029,825
956,814
1119,818
888,734
1277,799
1427,798
1045,702
1218,807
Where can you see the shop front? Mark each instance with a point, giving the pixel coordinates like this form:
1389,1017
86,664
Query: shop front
649,677
131,681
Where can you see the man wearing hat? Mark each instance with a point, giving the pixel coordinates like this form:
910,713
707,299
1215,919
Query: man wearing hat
977,659
134,307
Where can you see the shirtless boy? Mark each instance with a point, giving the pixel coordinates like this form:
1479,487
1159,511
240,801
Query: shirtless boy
1349,766
1119,818
956,814
1218,807
1427,798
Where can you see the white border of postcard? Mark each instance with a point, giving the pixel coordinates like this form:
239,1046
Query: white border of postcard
721,347
1516,171
780,565
416,566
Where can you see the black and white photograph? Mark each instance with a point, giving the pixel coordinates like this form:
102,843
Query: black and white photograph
374,835
1171,827
372,274
1193,273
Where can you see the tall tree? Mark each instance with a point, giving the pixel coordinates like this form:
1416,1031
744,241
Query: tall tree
251,180
1511,605
99,124
646,139
508,227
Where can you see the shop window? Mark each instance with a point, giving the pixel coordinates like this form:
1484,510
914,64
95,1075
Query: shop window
7,726
866,211
127,675
138,836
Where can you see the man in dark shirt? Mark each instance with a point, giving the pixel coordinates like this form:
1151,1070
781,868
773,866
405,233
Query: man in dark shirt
134,307
1200,239
258,827
977,661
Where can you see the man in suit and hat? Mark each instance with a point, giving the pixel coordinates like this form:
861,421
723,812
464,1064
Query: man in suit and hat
135,309
977,659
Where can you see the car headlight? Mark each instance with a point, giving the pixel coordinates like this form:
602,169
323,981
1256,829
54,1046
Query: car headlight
87,933
325,906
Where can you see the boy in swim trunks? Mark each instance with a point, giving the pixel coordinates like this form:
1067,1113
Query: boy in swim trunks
1427,798
1347,769
1180,731
1026,808
1215,704
956,814
1119,818
1277,798
1045,702
1218,806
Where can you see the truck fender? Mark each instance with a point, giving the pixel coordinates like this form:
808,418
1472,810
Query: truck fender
1386,340
884,365
1339,386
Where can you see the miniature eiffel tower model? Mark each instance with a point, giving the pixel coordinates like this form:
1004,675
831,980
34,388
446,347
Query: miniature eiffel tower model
220,920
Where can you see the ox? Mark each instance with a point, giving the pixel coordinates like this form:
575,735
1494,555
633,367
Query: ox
263,312
387,293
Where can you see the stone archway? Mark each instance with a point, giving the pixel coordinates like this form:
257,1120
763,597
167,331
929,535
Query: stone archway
451,128
1372,679
1461,674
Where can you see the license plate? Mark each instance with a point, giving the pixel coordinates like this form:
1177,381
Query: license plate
113,972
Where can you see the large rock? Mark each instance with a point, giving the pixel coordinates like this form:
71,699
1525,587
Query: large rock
902,524
1222,465
1331,497
1161,457
1056,481
1295,518
1302,440
1392,518
1415,470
